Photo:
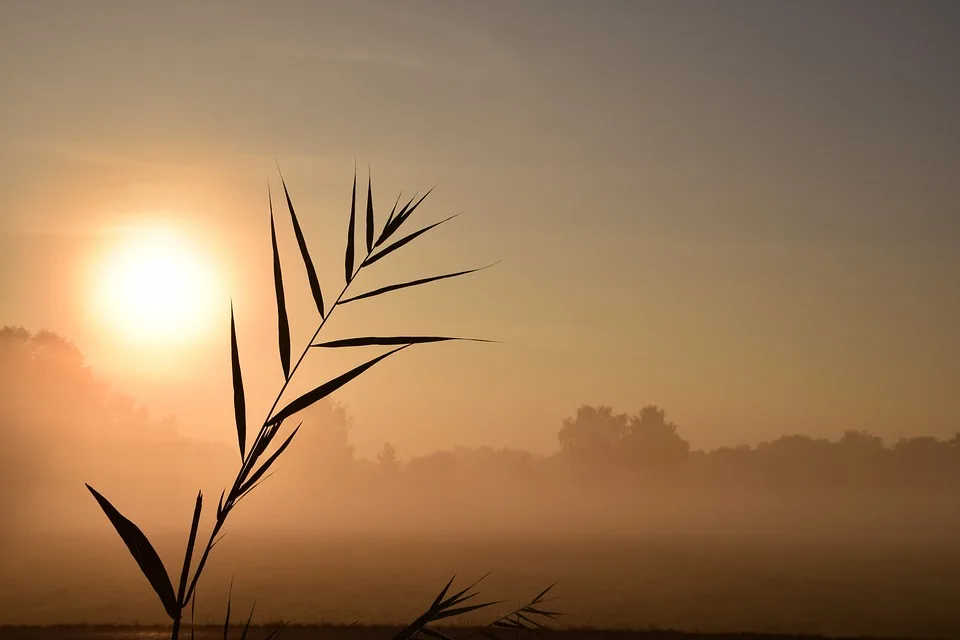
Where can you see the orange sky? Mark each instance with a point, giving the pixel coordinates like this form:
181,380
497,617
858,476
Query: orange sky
746,216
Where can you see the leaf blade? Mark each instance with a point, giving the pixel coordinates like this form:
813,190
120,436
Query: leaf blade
327,388
370,220
188,555
246,627
412,283
383,341
351,232
239,401
386,225
304,252
143,552
449,613
226,621
283,324
399,243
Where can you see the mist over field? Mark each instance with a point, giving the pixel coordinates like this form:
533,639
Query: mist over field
637,528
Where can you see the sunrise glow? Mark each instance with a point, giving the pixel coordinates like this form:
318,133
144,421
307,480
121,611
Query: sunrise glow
153,286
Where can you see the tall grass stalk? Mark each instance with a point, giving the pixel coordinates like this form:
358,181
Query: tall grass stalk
254,461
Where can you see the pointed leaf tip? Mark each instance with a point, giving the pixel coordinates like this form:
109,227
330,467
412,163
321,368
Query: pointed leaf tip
304,252
348,256
399,243
283,324
327,388
239,403
370,220
413,283
383,341
143,552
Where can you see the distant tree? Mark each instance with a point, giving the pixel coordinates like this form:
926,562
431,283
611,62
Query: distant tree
387,459
651,442
593,434
59,422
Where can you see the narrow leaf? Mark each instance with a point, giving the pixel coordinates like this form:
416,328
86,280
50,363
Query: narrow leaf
393,223
246,627
143,552
355,622
458,597
370,221
266,465
386,225
443,592
188,555
226,621
399,243
239,404
388,341
348,258
283,325
540,612
304,253
275,631
449,613
327,388
414,283
407,212
543,593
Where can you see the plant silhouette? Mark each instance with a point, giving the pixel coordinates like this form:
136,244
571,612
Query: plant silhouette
255,463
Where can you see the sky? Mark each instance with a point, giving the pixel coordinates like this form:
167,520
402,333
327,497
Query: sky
744,212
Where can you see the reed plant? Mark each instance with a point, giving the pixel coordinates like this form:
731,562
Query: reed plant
258,458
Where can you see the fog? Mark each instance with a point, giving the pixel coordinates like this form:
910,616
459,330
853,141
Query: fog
638,528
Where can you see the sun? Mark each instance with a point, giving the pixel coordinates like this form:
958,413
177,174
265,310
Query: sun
154,286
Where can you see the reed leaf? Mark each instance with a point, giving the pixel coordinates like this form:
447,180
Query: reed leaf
246,627
304,252
370,220
386,224
459,611
396,222
226,620
143,552
239,403
413,283
348,256
188,555
399,243
441,609
283,324
383,341
327,388
443,592
408,211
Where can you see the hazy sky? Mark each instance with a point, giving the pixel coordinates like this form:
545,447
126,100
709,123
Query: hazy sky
745,212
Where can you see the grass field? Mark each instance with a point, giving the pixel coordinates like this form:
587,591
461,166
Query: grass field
360,632
713,584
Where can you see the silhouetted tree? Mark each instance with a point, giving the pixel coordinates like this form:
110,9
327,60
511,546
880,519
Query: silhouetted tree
653,443
387,459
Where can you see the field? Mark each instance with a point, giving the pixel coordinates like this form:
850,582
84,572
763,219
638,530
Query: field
328,632
708,584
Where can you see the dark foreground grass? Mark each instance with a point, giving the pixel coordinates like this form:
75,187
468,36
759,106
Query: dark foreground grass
372,632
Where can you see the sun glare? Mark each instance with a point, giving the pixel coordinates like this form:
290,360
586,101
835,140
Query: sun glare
153,286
